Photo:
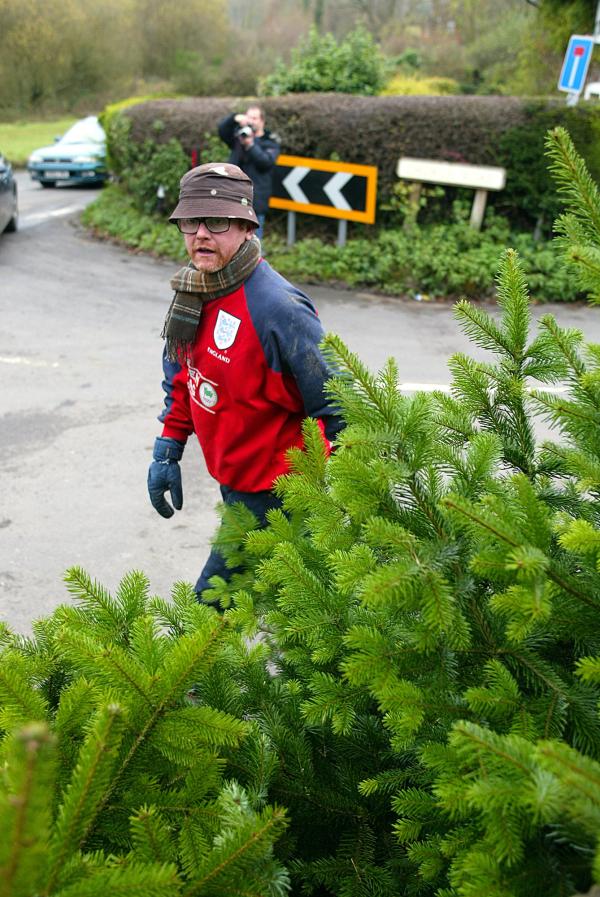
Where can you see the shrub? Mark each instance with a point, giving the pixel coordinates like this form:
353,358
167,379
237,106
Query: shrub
107,119
530,187
115,214
355,65
505,131
116,763
432,596
144,168
440,260
407,85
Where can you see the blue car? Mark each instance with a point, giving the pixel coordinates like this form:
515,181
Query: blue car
8,197
78,157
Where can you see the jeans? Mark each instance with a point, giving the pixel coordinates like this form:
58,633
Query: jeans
259,503
261,226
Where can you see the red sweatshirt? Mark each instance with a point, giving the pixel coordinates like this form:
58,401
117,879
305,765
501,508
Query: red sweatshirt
254,373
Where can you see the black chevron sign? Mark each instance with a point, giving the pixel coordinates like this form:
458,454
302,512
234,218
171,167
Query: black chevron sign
321,187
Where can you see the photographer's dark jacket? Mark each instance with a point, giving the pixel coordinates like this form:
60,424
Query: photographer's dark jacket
257,162
254,373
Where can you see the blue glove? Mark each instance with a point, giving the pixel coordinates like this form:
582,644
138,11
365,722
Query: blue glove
164,475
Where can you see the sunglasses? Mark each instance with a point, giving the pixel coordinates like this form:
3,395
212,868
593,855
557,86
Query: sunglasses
214,225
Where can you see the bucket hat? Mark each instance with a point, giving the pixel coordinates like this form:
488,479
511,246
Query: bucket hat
215,189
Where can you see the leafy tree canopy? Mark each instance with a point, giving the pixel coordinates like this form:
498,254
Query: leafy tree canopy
321,64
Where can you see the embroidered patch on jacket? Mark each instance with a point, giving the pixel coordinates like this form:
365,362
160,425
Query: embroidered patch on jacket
226,329
208,394
202,392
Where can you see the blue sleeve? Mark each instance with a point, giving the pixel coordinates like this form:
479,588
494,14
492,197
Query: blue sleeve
175,416
226,128
263,157
170,371
290,333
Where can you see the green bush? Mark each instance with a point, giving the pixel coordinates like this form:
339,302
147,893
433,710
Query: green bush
530,191
434,261
411,85
115,215
377,130
108,119
144,168
440,261
119,742
431,597
320,64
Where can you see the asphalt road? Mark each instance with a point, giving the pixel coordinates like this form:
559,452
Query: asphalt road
80,371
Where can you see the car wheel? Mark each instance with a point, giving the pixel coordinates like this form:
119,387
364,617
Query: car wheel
12,225
48,183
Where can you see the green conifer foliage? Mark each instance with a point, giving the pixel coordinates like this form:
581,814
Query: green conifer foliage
579,227
117,772
431,596
410,663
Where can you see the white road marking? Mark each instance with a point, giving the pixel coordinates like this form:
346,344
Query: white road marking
18,359
38,217
403,387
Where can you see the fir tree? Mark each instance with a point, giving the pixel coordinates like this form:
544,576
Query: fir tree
116,778
431,595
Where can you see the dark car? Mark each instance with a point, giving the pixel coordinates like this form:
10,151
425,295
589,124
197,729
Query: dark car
78,157
8,197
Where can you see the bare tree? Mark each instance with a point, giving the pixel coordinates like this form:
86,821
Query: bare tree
377,13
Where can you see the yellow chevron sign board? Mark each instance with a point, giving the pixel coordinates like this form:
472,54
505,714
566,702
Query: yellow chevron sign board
320,187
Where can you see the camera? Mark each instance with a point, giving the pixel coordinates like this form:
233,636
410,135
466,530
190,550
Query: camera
244,131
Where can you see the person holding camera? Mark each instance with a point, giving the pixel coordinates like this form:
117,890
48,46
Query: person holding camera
253,149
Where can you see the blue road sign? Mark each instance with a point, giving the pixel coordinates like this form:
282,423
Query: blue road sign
576,62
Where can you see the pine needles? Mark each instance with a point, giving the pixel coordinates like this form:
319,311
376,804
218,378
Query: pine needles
119,788
423,697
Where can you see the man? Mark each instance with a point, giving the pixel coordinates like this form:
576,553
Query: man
255,151
242,362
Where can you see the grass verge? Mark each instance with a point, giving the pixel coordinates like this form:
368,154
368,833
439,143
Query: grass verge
19,139
441,261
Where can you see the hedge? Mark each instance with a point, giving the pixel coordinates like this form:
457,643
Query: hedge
491,130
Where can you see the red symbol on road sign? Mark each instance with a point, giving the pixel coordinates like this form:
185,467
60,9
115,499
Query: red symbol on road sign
575,64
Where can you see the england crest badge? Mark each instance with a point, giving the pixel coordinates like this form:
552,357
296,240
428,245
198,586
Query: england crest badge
226,329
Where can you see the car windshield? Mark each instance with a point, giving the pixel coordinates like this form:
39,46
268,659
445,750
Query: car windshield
87,130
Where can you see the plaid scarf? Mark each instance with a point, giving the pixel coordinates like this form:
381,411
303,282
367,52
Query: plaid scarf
193,288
